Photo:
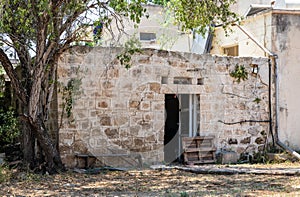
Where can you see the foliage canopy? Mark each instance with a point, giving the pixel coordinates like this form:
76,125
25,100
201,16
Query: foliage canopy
200,14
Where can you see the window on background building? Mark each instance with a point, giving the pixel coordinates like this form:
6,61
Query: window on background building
147,36
231,51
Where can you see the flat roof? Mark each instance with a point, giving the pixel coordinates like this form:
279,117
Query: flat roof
257,8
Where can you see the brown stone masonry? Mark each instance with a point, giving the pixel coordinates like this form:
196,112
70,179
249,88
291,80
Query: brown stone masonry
118,110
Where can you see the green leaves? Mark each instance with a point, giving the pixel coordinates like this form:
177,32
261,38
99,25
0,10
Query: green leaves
159,2
133,9
9,130
198,15
69,93
132,46
239,73
16,18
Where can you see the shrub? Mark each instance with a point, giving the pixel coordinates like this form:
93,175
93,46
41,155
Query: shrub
5,174
9,129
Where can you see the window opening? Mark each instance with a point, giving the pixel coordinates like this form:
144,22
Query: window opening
182,80
147,36
231,51
164,80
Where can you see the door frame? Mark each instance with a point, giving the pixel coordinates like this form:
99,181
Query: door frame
192,100
192,109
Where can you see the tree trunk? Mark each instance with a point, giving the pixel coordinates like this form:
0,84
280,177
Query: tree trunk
34,109
27,144
48,147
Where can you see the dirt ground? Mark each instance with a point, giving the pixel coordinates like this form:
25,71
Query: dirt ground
149,182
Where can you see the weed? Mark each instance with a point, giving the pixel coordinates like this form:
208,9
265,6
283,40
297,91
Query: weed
5,174
257,100
184,194
240,73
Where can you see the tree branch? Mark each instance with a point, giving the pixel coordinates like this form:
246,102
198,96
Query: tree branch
8,67
243,121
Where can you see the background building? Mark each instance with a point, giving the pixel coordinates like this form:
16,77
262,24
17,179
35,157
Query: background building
275,27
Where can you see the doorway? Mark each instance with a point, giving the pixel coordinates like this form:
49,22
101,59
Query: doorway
181,121
171,134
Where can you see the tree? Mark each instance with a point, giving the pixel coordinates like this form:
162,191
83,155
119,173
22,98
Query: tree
41,30
158,2
200,15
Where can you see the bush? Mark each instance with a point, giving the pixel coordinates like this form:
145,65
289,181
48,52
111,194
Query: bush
5,174
9,128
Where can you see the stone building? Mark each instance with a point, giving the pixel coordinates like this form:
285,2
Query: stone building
164,96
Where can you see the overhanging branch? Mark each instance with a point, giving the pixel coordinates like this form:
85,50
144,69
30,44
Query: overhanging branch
9,69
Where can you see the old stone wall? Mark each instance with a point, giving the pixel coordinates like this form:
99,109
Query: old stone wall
119,110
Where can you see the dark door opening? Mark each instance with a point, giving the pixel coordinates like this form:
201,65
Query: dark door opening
171,137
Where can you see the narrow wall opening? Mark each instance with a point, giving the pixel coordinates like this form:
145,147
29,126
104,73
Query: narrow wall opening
181,112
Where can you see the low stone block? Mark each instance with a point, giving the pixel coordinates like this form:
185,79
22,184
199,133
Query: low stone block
228,157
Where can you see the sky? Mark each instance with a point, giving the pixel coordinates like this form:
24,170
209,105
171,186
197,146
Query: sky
292,1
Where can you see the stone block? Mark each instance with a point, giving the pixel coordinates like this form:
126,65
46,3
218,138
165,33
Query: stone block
253,131
136,72
158,105
232,141
107,84
277,157
80,146
134,104
240,132
103,104
144,60
149,95
120,104
96,132
221,68
121,120
246,140
113,73
158,125
81,114
145,124
240,150
111,133
70,162
145,106
228,157
155,87
227,133
105,121
148,116
150,139
135,130
85,124
260,140
138,142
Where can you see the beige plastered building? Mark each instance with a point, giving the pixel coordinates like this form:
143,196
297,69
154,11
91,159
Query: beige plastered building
271,31
155,30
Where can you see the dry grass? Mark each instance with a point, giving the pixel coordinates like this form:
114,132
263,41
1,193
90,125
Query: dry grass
286,164
152,183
